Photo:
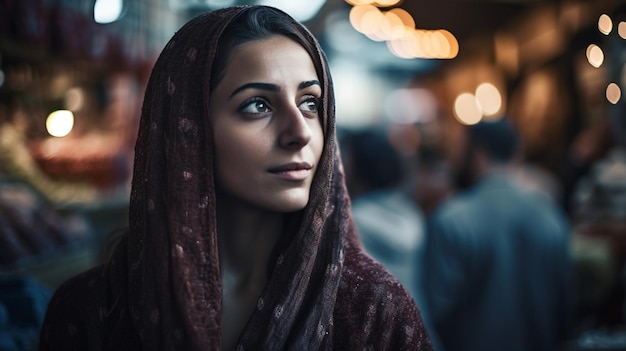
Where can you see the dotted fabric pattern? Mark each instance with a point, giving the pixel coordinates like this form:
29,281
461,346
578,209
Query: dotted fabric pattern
162,288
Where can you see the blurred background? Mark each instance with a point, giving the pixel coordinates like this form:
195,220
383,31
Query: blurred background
73,72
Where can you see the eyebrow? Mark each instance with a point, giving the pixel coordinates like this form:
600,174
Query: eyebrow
308,83
271,87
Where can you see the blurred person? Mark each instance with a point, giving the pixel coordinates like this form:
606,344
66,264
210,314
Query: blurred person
389,220
498,273
434,181
240,234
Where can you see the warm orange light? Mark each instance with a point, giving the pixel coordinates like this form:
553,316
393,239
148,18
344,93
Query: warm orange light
595,56
357,13
466,109
397,28
453,44
392,26
489,99
404,16
613,93
372,24
405,46
621,29
605,24
420,45
427,44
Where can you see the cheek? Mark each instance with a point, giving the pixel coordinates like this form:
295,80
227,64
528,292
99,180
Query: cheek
317,141
239,155
232,153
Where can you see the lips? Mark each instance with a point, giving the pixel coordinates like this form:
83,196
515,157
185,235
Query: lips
295,171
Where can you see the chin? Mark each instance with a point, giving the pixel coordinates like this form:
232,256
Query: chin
289,204
290,207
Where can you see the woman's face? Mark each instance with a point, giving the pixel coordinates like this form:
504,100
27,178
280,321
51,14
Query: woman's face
267,131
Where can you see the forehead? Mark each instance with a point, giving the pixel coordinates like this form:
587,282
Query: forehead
270,56
275,42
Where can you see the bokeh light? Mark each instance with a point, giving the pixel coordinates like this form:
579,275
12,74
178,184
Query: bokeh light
74,99
595,55
605,24
60,123
613,93
621,29
466,109
489,99
107,11
396,27
404,16
357,14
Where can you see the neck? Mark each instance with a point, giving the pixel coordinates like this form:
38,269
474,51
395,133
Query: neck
496,169
246,237
483,166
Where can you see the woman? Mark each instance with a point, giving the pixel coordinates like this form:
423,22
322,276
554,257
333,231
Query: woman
240,235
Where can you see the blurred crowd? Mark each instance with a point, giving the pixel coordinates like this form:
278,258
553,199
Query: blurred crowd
497,252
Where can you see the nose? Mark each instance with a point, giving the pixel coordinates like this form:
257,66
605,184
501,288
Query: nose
295,131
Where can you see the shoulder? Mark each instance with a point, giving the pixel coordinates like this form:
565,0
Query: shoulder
362,274
82,288
374,311
457,205
453,216
72,310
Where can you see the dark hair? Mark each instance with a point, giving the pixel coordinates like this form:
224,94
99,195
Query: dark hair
259,22
498,138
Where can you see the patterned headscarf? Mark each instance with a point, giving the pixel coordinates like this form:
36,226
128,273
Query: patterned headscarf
174,278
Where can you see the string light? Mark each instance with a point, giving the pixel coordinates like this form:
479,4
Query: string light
396,27
595,55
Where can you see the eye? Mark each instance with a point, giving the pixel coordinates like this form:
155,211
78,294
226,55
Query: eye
310,104
255,106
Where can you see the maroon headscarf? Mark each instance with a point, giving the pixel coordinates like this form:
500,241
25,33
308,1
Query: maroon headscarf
162,290
173,261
